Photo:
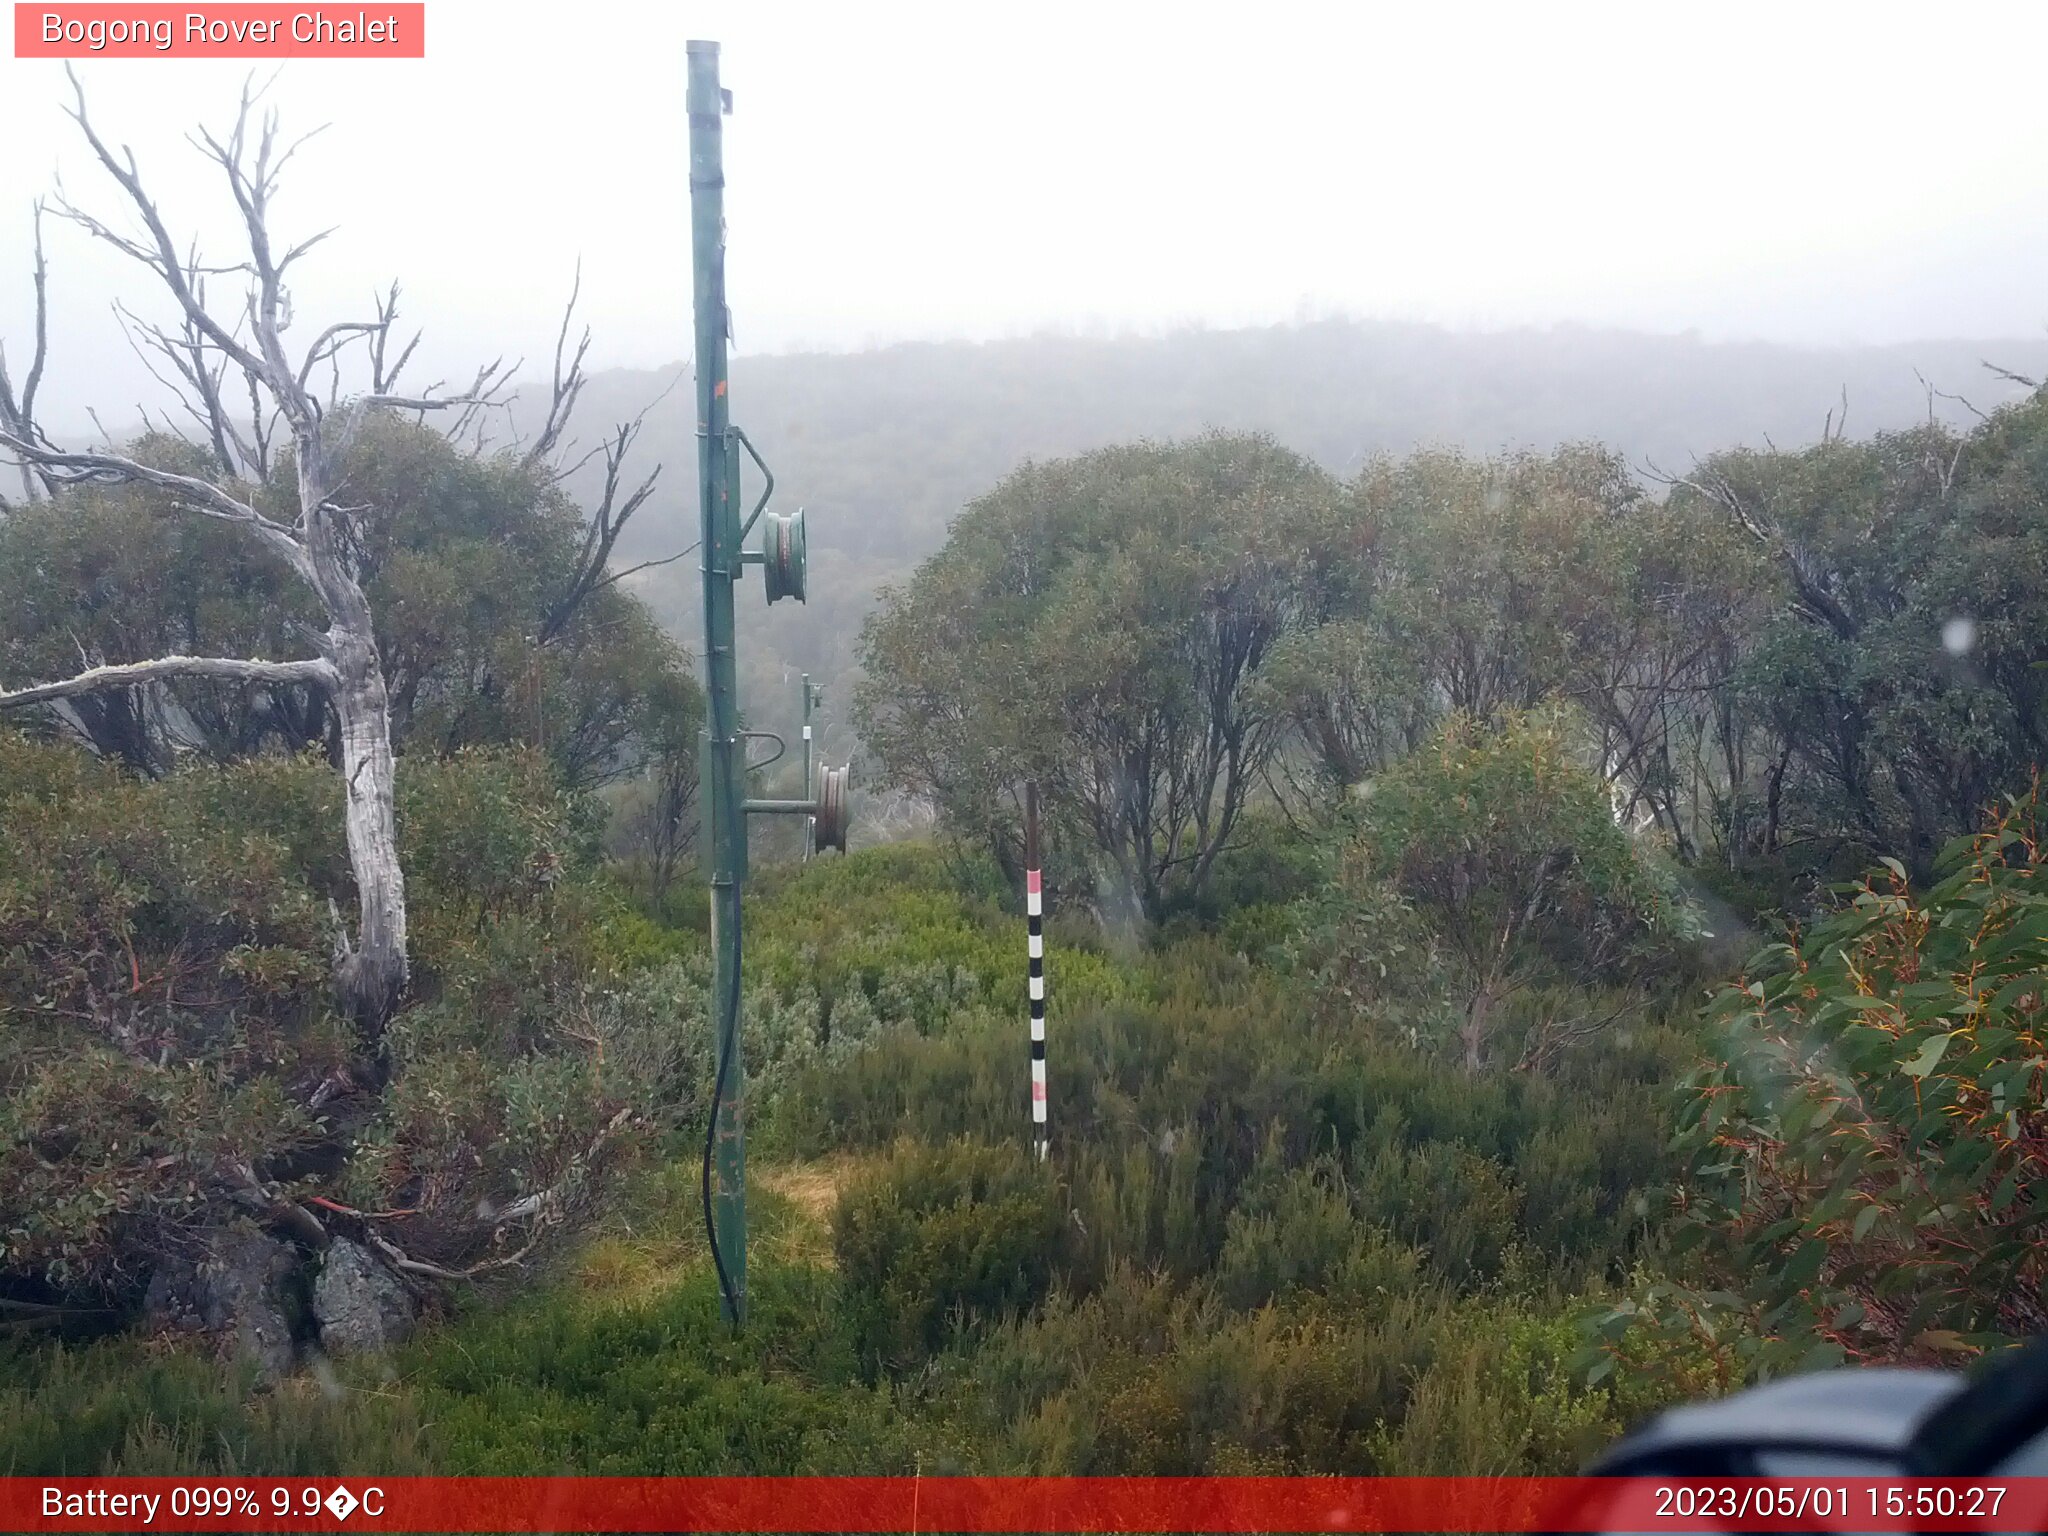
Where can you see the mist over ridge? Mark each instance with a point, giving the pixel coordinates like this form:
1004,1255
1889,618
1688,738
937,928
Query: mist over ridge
885,445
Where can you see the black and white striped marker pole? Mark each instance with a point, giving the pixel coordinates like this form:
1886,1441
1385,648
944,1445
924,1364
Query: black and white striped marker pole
1034,916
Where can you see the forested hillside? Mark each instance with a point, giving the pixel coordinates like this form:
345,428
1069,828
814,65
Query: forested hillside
884,447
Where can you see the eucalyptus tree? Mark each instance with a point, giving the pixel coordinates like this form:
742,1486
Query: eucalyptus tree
1098,624
1479,586
1503,841
1895,670
261,415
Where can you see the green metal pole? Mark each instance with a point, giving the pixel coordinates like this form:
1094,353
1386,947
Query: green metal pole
724,822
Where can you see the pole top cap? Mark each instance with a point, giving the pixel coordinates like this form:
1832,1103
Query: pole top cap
699,45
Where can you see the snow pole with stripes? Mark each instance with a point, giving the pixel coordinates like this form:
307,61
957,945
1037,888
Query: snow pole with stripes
1034,918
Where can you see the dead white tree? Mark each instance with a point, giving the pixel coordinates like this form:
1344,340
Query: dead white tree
211,358
18,410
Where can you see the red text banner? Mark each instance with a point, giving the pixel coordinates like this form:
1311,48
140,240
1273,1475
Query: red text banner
231,31
996,1504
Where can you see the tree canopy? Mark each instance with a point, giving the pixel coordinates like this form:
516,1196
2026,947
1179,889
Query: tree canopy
462,558
1098,624
1786,664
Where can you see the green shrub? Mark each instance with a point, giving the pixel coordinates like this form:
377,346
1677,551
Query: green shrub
1506,849
1268,1236
557,1386
1460,1208
162,995
1298,1232
939,1239
1147,1377
550,1384
127,1408
1499,1398
166,1013
1164,1102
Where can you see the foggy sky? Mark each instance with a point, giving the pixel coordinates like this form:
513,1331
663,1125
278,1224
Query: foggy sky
1812,173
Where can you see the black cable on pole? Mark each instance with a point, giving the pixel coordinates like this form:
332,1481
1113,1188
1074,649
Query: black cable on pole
728,1029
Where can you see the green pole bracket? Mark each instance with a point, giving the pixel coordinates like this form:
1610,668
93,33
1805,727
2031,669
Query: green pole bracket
785,550
767,490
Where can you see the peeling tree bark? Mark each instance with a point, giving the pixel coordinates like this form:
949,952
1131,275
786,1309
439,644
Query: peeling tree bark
1477,1027
372,976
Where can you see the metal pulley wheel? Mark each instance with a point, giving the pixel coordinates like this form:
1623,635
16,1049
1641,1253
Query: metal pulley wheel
783,555
829,824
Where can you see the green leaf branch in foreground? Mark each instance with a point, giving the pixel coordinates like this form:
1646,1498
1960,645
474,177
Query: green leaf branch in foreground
1866,1158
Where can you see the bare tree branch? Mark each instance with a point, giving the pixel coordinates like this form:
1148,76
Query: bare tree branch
486,390
382,379
160,255
608,520
18,414
188,356
130,674
647,565
544,1208
329,343
262,422
606,523
246,1189
42,349
196,495
269,305
567,384
1933,394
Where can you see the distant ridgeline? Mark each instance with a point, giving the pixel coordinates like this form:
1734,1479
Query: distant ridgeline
885,447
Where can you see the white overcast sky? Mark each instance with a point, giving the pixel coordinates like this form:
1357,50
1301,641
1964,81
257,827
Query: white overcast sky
1799,172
